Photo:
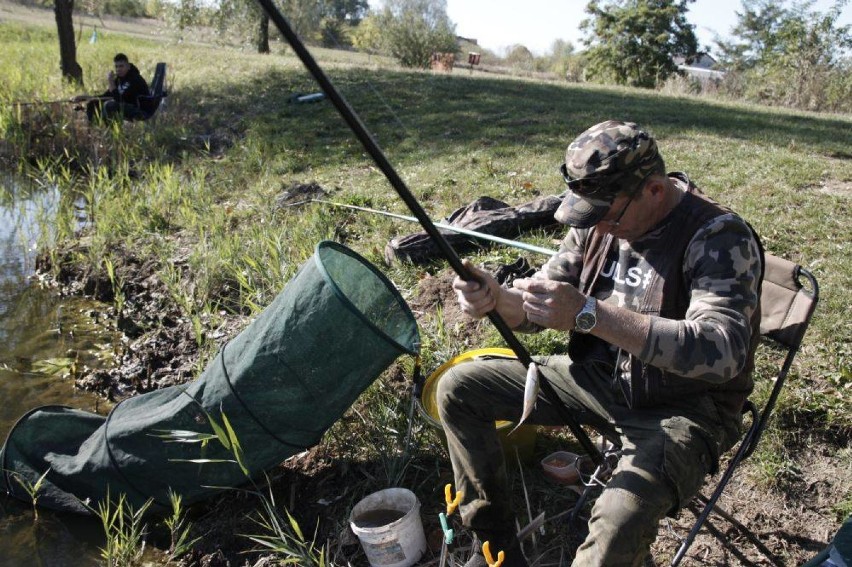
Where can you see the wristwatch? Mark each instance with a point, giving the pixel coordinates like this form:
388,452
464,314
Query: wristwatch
586,319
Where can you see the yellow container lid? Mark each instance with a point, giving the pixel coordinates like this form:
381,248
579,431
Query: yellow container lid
430,387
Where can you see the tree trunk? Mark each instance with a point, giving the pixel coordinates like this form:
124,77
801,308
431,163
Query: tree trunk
263,33
71,70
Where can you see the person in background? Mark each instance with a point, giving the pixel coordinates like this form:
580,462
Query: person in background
657,288
121,99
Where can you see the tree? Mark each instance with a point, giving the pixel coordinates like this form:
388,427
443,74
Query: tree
756,32
304,16
561,48
184,13
414,29
348,11
325,21
562,60
262,42
634,42
248,22
71,70
790,55
368,35
244,19
519,57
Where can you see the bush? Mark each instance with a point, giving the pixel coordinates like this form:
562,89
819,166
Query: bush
680,85
519,57
415,29
791,56
125,8
367,35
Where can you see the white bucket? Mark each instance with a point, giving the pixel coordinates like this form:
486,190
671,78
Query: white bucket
388,539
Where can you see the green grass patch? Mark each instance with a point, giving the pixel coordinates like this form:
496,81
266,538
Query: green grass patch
197,192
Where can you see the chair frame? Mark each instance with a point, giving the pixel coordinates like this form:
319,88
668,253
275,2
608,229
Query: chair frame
158,90
789,337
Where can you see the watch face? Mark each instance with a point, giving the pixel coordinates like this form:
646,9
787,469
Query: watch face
585,321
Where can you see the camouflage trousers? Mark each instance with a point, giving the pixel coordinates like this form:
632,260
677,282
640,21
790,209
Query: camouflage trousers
667,450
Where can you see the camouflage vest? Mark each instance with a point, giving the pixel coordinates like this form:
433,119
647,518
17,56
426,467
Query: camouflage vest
666,295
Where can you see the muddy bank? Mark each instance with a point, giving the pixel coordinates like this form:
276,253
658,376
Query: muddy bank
159,346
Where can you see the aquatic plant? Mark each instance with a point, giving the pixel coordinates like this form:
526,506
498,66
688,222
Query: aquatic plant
33,489
179,528
281,534
125,530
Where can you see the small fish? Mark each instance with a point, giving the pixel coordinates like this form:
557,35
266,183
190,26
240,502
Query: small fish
530,393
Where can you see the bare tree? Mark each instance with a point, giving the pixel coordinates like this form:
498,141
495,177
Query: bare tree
71,70
262,39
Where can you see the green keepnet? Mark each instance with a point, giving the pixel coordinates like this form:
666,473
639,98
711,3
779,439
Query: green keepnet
281,383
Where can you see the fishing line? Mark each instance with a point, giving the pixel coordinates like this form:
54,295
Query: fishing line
467,232
384,102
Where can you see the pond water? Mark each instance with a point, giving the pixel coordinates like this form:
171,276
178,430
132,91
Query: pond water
41,336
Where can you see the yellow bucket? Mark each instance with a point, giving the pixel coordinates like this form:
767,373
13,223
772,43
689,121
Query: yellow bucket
523,439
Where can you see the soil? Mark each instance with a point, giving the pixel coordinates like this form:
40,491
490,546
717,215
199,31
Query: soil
158,348
788,518
837,188
435,291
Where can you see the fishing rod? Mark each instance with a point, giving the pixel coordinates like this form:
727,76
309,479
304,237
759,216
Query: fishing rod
37,102
465,231
60,101
360,130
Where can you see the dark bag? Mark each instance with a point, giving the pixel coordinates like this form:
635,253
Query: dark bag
485,215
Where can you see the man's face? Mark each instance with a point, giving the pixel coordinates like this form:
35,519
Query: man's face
630,217
618,221
121,68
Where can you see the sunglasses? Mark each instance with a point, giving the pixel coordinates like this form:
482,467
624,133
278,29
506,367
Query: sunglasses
589,186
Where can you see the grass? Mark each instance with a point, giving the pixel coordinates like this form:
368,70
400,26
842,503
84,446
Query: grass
125,529
33,490
180,542
196,194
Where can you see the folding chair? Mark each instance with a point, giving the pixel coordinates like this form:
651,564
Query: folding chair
787,307
149,104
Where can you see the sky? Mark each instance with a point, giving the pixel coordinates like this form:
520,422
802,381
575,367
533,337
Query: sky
498,24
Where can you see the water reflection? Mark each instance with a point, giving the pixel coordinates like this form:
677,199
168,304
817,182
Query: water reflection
35,341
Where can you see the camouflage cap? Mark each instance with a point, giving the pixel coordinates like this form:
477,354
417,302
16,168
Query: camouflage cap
607,159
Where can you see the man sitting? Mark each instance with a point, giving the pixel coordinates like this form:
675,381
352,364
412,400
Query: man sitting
659,288
122,98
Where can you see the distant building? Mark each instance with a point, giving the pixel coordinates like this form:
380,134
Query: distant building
701,60
702,67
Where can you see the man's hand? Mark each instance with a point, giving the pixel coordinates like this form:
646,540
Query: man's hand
550,304
478,296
